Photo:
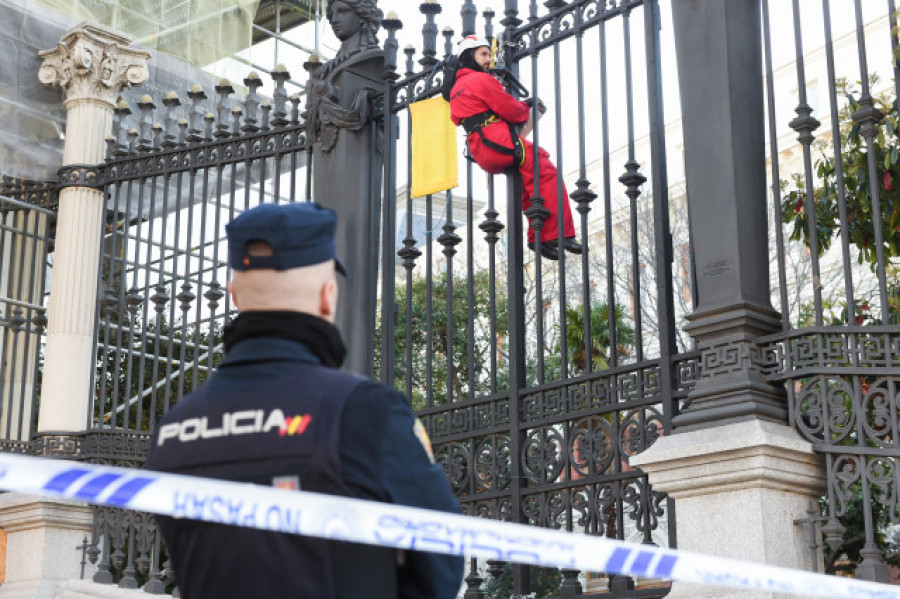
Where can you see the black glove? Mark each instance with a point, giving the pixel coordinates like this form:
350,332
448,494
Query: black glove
540,105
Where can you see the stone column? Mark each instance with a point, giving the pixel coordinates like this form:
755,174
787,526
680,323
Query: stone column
739,475
91,64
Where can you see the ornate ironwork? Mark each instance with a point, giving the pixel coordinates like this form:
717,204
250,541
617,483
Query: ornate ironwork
80,175
126,548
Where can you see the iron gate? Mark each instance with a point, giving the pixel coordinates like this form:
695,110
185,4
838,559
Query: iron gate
535,379
535,388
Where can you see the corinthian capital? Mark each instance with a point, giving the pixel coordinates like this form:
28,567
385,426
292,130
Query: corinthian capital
92,62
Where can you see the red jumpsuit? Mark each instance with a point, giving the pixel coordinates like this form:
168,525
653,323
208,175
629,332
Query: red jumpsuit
476,92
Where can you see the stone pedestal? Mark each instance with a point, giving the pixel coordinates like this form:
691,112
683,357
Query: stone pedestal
42,540
738,489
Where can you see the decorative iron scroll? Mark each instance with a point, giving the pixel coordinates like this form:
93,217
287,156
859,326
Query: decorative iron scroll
80,175
843,387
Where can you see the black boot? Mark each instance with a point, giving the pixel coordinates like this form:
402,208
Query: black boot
571,245
548,250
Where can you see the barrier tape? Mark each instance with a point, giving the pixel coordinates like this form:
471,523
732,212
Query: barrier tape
375,523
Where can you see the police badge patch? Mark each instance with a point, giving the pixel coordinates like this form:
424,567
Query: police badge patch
422,435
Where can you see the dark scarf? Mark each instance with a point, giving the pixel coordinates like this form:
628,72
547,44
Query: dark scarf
321,337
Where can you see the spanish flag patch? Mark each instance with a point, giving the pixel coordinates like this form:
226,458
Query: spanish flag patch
422,435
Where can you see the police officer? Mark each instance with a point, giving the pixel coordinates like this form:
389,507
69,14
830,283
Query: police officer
489,115
279,412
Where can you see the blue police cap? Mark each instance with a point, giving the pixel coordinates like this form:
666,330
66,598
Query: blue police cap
300,234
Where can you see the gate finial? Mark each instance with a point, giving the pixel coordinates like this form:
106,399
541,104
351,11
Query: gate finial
468,12
430,9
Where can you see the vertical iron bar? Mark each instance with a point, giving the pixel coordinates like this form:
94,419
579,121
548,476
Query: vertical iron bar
805,124
389,236
632,167
6,218
11,335
145,324
536,223
409,274
868,118
660,190
895,64
215,292
872,566
839,166
176,255
516,308
470,281
201,270
492,228
607,202
136,299
776,177
160,298
449,241
123,294
583,188
35,218
429,304
561,201
187,295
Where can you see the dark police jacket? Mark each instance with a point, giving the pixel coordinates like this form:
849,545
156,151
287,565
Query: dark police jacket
272,414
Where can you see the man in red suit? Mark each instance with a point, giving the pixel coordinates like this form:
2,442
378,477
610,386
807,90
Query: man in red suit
489,115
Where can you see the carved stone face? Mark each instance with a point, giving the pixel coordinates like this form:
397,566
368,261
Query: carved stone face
344,21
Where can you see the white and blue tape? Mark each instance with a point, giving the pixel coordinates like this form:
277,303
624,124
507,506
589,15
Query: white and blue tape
375,523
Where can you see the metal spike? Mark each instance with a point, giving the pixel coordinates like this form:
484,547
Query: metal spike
157,136
236,114
410,63
251,102
210,120
224,89
280,75
430,9
182,131
171,101
489,15
121,111
468,12
266,108
392,24
147,106
448,41
295,108
197,95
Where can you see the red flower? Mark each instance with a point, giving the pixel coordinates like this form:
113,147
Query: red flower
886,180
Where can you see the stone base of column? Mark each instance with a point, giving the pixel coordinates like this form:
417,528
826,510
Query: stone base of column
738,488
42,540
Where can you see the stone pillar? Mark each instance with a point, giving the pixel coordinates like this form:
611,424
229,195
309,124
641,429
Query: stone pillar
91,64
739,475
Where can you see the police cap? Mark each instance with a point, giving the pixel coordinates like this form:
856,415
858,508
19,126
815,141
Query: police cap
300,234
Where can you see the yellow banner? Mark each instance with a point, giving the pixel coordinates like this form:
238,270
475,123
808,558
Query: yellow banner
434,155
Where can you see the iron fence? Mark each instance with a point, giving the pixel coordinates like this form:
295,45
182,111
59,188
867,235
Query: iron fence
835,243
27,220
537,380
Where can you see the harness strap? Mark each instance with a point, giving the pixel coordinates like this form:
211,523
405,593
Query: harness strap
477,122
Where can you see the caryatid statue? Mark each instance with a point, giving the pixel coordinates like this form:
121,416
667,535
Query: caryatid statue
347,165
